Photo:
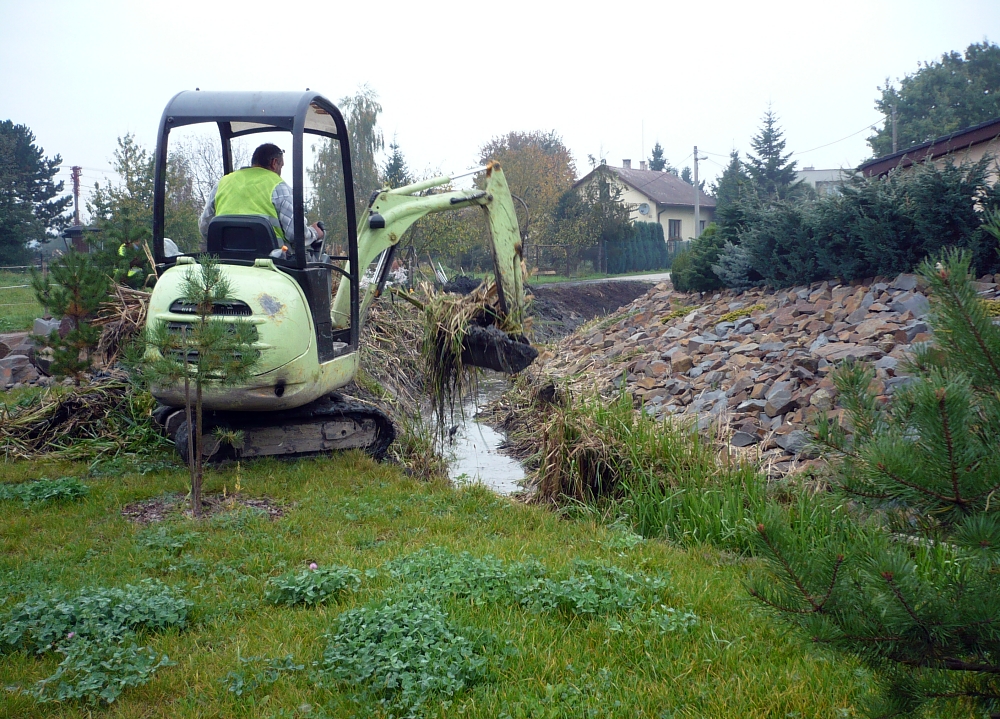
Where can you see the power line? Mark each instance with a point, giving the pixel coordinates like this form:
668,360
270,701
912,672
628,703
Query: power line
870,126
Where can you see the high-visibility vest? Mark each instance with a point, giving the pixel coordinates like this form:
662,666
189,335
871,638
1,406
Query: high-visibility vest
132,271
248,192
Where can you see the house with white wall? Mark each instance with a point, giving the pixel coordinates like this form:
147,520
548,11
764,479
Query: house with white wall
659,197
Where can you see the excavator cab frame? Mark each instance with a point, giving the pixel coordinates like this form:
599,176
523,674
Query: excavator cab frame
239,114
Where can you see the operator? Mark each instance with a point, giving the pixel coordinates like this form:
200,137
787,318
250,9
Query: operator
259,190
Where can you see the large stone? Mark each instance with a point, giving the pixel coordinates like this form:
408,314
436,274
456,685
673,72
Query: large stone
822,399
905,282
779,400
16,368
743,439
44,327
913,302
681,362
794,442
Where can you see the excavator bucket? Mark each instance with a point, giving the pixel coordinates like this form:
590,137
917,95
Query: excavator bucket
489,346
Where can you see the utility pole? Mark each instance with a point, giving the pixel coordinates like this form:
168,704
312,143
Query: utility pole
76,170
697,195
895,144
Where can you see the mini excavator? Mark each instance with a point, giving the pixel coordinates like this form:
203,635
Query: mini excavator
307,334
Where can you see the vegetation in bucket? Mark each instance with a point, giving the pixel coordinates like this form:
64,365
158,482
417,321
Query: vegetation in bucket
462,332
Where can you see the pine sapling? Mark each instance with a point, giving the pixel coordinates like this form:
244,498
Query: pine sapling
208,352
909,581
73,289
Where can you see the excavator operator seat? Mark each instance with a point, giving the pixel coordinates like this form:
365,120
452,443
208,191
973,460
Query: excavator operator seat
241,237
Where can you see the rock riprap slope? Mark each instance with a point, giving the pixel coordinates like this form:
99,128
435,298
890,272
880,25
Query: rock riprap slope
756,363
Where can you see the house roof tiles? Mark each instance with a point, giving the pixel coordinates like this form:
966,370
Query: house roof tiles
664,188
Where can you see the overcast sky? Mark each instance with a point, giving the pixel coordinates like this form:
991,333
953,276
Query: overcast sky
611,78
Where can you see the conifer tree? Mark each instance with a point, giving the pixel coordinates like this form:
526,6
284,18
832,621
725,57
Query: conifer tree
395,172
657,162
909,580
770,168
73,289
210,352
735,196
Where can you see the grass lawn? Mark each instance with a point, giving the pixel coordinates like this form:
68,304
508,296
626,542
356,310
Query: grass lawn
536,660
18,306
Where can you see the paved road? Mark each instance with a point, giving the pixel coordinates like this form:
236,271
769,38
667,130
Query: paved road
654,278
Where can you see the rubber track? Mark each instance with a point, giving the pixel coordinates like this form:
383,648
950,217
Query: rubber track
324,409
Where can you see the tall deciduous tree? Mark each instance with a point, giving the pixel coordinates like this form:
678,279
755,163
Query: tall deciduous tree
595,214
770,167
539,169
123,212
361,112
30,208
940,97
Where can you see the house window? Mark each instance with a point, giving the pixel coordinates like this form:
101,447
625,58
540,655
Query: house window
702,228
673,229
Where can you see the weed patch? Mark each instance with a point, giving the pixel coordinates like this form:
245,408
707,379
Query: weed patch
312,586
44,490
404,654
94,630
592,590
436,574
98,670
259,672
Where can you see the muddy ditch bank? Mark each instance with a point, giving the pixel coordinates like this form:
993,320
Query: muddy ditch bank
559,310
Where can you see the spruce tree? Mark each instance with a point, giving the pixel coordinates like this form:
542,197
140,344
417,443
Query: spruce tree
735,197
395,172
908,578
770,168
657,162
74,290
210,352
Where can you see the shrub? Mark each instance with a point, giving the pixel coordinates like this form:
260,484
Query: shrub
781,245
691,270
735,268
878,226
593,590
99,670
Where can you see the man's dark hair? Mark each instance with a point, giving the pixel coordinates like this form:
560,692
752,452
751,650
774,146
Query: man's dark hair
264,155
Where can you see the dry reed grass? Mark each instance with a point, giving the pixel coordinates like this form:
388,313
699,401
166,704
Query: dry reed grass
103,418
122,318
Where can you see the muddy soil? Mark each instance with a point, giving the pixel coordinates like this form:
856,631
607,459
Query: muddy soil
158,509
558,310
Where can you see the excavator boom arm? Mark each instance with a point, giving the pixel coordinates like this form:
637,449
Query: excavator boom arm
392,212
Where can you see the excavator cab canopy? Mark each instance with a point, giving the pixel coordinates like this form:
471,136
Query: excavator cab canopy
238,114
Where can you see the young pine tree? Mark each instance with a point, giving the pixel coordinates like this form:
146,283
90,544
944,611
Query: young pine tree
910,583
73,289
210,352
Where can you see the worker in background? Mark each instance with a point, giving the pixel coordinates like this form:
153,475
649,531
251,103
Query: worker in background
259,190
133,252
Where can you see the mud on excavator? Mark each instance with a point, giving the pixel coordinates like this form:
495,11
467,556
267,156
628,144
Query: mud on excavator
308,337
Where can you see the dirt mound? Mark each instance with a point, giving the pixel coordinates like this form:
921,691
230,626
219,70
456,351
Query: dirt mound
560,309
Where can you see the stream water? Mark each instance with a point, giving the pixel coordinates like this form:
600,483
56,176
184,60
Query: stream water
472,452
